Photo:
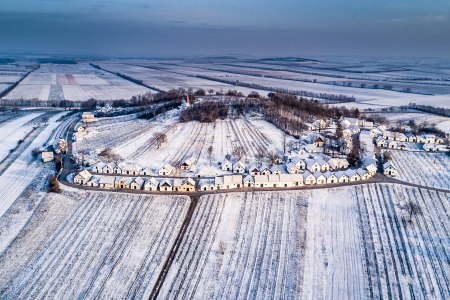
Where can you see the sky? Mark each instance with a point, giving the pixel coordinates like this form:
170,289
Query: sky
226,27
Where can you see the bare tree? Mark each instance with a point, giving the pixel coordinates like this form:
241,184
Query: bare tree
210,153
160,139
260,153
410,208
239,152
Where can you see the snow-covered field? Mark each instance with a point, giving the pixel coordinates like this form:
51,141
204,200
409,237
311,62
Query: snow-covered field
241,246
13,131
334,260
74,82
164,80
134,140
424,168
92,245
24,169
404,259
443,123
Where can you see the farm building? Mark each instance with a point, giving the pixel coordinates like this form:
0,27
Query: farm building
389,169
87,117
253,170
123,183
227,165
320,178
94,181
166,185
239,168
342,177
146,172
292,168
98,167
83,177
167,170
309,178
47,156
275,170
299,163
137,183
109,168
128,169
151,184
187,164
184,185
206,185
228,182
319,141
107,182
331,177
265,170
249,181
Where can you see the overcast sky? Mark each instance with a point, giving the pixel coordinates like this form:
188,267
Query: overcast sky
201,27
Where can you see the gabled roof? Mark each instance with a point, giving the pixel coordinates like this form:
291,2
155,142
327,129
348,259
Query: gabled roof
107,180
388,165
152,181
139,181
167,167
249,178
166,182
85,174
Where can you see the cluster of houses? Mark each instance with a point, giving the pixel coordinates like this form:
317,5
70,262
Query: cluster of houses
297,172
399,140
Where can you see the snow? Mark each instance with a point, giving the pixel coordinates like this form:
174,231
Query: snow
22,171
243,245
13,131
74,82
106,245
333,258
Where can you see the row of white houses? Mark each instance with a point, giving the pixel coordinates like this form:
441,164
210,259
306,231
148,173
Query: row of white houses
235,181
393,144
405,137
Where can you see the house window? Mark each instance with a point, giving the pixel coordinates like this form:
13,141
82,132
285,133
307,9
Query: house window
285,185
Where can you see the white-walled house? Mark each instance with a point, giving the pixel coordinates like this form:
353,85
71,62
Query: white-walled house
389,169
381,142
151,184
107,182
299,163
253,170
309,178
265,170
206,185
146,172
166,185
227,165
123,183
166,170
109,168
320,178
47,156
228,182
331,177
137,183
98,167
82,178
239,168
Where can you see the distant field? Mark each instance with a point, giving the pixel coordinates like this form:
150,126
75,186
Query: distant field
74,82
443,123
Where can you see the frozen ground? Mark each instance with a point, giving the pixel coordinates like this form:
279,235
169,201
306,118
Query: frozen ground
443,123
13,131
134,140
424,168
241,246
74,82
24,169
92,245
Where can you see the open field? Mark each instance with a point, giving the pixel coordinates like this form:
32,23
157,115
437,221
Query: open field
11,132
404,259
241,246
424,168
165,80
24,169
443,123
97,245
134,140
74,82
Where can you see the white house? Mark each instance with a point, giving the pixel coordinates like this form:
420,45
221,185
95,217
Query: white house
109,168
94,181
389,169
107,182
166,170
129,169
228,182
363,174
137,183
187,164
261,181
151,184
206,185
342,177
82,178
320,178
98,167
253,170
275,170
299,163
146,172
331,177
309,178
239,168
123,183
312,165
371,169
292,168
264,170
227,165
249,181
166,185
47,156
